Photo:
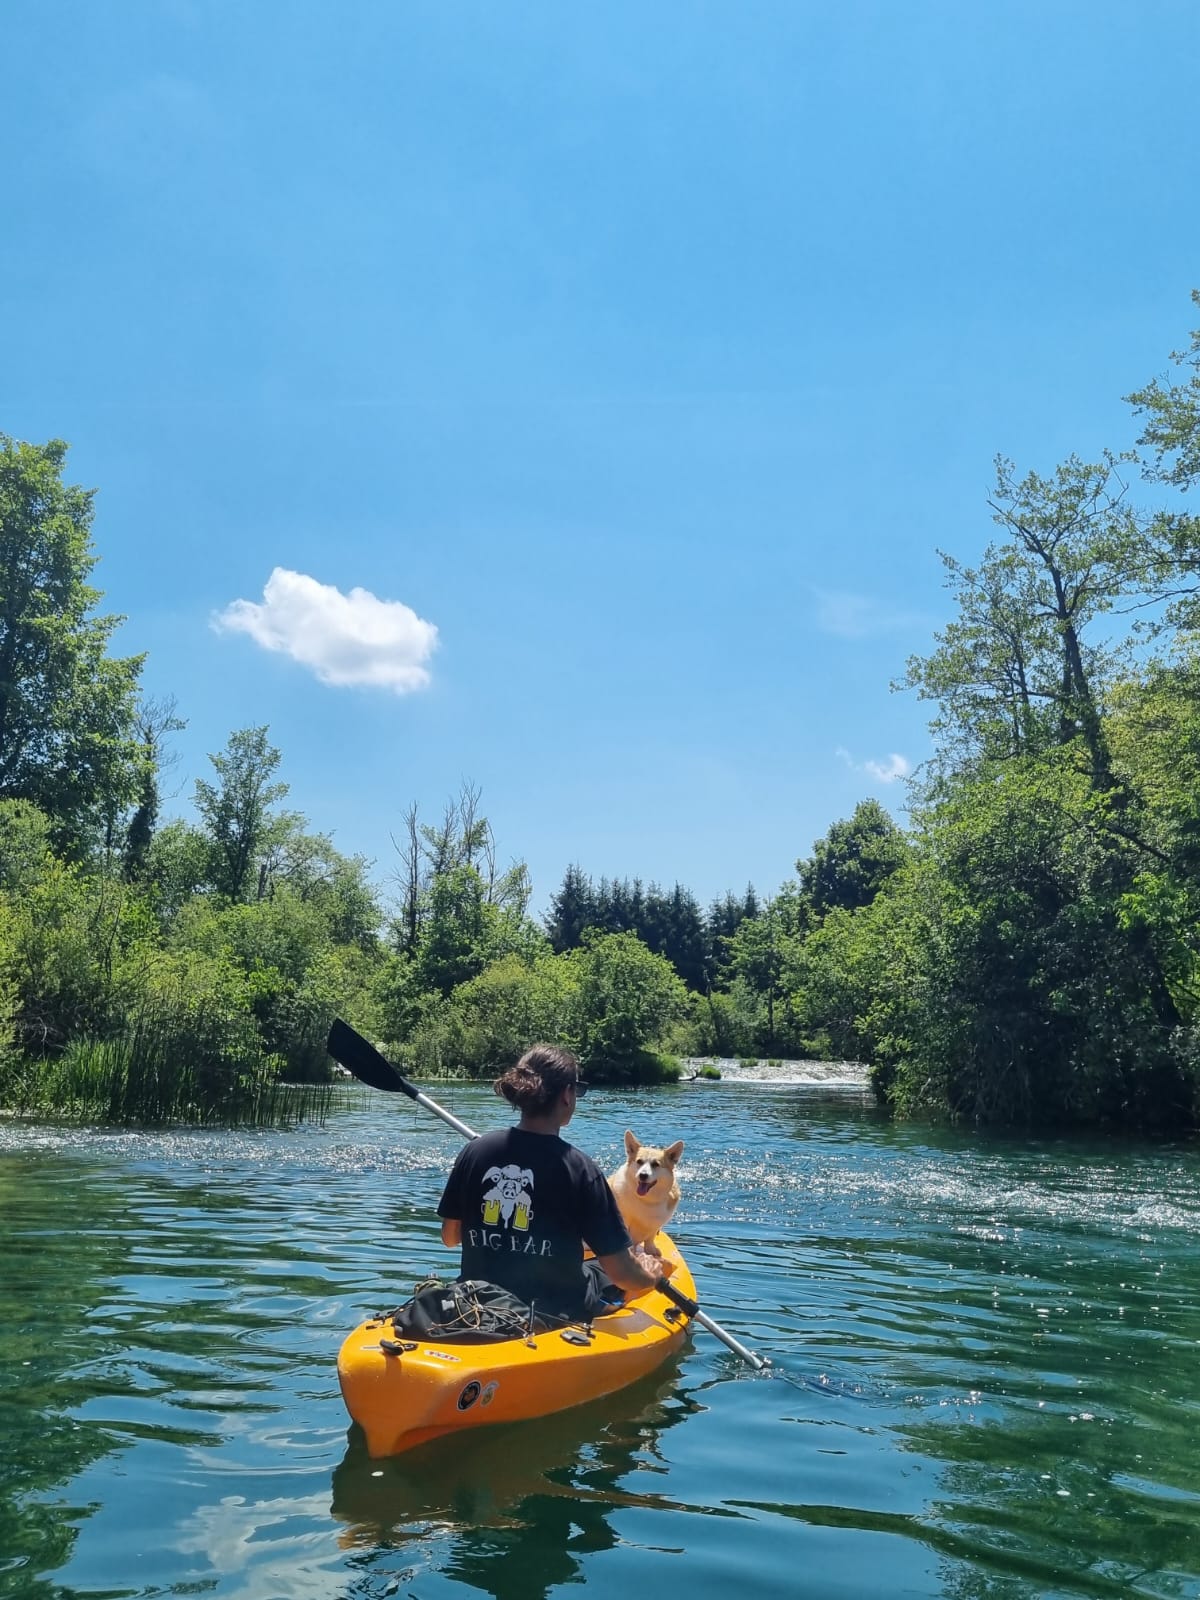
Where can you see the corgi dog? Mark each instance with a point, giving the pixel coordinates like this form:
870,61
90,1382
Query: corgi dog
646,1189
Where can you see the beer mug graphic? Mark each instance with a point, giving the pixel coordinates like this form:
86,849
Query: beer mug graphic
508,1196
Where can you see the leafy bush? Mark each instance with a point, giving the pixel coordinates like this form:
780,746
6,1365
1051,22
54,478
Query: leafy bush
492,1019
625,999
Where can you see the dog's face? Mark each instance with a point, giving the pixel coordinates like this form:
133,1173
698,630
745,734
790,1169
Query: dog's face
652,1169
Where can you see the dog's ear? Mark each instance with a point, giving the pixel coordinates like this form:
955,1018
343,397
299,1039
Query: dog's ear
632,1143
674,1151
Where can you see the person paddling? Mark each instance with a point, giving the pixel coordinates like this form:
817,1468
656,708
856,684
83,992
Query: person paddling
522,1203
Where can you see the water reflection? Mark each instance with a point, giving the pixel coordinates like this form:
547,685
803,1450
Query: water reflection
558,1479
41,1336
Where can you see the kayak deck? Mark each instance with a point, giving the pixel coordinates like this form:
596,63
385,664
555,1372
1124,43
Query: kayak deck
404,1397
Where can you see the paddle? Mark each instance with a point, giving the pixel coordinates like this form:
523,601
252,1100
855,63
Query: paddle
369,1067
685,1303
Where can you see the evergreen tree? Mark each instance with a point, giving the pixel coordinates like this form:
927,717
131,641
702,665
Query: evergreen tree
572,911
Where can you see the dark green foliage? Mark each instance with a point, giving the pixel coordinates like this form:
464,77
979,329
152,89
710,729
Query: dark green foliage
854,860
726,915
573,911
669,922
156,1073
67,708
1048,998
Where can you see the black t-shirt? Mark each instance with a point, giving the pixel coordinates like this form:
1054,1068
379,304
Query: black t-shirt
528,1203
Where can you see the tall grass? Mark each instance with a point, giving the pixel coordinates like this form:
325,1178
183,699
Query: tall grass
159,1071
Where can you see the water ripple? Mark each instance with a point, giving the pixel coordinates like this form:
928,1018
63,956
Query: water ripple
985,1384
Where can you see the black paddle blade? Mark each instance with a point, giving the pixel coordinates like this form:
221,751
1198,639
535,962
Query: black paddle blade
364,1061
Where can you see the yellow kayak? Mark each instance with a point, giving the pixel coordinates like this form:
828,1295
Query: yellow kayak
402,1394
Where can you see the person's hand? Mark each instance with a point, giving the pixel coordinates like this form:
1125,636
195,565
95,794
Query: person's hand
650,1261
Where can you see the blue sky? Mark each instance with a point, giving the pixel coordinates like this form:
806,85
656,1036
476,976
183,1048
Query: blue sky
632,361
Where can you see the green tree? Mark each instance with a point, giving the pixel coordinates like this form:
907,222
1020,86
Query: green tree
237,815
68,740
488,1022
572,910
178,865
1172,418
1154,731
755,973
25,851
854,860
462,839
69,933
724,916
295,978
626,998
1023,667
1045,1000
1171,432
156,720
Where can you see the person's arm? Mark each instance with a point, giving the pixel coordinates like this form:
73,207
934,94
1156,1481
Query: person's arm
627,1272
605,1231
450,1205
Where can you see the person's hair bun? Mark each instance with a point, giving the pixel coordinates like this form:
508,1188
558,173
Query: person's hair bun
535,1082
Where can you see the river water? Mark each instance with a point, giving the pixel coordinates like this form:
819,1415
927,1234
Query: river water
987,1385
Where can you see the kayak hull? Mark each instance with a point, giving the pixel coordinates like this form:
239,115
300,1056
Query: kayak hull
403,1399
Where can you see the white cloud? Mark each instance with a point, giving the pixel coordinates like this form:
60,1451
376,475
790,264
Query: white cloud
896,766
860,616
888,771
347,640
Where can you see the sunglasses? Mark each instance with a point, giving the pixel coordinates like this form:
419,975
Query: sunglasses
580,1087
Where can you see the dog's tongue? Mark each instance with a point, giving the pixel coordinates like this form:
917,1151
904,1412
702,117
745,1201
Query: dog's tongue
644,1186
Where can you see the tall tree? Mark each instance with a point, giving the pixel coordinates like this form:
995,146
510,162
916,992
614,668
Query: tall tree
1172,412
757,958
1171,432
725,914
1022,668
237,810
68,741
854,860
572,911
156,719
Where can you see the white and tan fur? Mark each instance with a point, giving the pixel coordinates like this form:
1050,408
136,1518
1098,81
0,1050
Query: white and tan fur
646,1188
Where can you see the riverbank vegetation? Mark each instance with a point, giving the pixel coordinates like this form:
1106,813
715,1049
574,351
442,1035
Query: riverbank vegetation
1024,952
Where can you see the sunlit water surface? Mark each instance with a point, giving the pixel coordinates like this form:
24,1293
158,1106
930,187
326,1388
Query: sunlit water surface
989,1354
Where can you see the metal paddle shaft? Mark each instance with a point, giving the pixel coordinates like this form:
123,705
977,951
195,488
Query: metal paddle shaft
686,1303
369,1067
365,1062
447,1117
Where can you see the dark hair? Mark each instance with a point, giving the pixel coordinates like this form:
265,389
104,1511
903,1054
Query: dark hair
537,1080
